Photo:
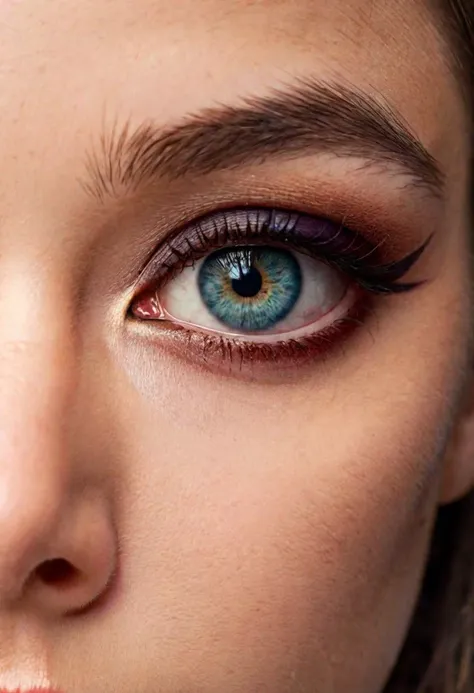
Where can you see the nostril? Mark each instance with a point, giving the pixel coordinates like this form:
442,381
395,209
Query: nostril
56,571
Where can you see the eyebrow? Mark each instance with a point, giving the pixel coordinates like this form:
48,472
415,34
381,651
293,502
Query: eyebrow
307,117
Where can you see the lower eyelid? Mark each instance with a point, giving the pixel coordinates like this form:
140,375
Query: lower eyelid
340,311
229,356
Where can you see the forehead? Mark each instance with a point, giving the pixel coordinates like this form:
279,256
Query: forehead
362,28
67,65
387,44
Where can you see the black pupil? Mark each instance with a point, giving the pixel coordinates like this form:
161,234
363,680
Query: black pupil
248,284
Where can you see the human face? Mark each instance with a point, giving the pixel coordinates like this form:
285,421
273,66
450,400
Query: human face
224,517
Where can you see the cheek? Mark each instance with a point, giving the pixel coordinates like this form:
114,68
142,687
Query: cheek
272,540
274,535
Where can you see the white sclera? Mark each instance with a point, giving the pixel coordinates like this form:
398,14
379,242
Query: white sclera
323,299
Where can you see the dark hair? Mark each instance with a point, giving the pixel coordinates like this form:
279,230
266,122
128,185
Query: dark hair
457,17
438,654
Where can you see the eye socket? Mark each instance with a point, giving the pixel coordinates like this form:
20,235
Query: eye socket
256,292
266,284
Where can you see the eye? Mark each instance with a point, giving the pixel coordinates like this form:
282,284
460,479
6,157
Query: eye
263,277
260,292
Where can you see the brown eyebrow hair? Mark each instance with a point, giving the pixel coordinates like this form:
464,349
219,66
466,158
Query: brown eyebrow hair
305,118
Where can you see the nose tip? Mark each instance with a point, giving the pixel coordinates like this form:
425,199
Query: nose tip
81,562
57,553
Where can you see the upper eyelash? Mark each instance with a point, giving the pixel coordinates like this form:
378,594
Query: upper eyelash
343,248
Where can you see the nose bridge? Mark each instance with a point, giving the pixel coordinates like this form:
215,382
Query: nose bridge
35,335
36,357
36,383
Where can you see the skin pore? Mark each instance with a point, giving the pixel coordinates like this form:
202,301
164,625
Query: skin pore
222,523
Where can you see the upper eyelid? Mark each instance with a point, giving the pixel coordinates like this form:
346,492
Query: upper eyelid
305,118
213,234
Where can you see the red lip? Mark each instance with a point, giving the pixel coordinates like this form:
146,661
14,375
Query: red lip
30,690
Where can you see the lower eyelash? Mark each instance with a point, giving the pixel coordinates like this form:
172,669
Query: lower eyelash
311,346
234,356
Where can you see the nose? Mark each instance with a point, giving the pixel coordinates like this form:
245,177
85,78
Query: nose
57,545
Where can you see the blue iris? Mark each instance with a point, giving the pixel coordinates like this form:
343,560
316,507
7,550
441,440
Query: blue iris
250,288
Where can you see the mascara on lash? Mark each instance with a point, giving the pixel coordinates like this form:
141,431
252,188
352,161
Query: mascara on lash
321,239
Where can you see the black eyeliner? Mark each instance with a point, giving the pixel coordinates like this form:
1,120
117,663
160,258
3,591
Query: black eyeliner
324,240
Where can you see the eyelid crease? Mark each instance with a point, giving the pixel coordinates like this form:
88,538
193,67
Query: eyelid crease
306,117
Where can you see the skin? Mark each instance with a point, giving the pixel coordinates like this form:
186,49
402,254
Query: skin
254,531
